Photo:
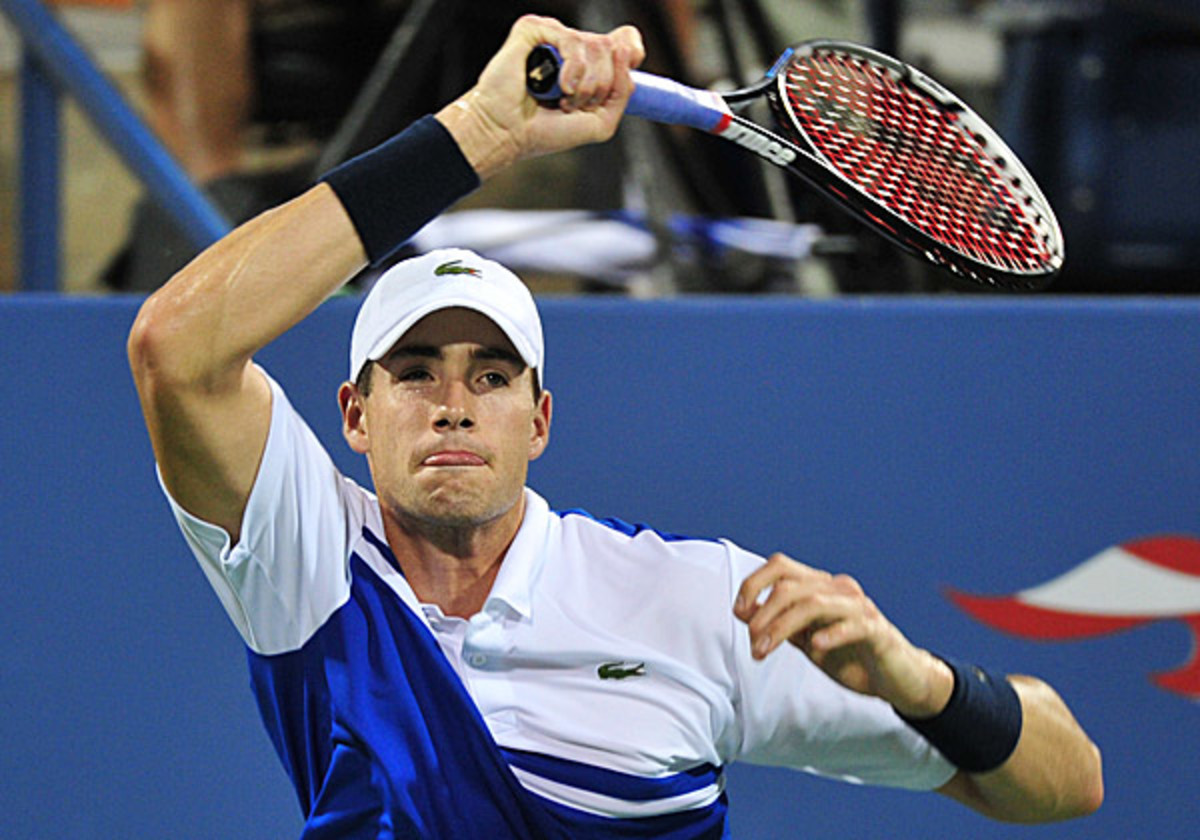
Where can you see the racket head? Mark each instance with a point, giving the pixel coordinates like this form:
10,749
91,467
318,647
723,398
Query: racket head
917,164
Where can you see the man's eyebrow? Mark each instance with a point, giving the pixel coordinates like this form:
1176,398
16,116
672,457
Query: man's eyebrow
429,351
420,351
498,354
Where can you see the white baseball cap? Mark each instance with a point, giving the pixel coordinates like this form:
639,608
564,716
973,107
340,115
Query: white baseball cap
447,277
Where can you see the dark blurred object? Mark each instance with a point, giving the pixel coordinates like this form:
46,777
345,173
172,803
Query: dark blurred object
430,51
1100,103
883,24
311,56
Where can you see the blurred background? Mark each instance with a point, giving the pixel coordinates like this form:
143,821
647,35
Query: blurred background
253,98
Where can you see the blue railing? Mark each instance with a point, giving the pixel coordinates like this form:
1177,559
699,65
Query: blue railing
53,63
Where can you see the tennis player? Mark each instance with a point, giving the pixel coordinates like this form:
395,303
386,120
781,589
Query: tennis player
448,657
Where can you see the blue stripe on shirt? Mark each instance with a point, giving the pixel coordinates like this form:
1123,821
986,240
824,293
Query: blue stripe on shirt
612,783
707,823
629,529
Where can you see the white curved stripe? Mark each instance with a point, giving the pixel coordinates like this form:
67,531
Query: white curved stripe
608,806
1117,583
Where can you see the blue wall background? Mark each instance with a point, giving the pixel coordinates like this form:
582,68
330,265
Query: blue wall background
983,443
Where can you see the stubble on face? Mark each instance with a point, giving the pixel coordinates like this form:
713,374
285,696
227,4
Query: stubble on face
457,497
435,473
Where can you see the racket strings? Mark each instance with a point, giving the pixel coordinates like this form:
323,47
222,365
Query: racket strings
916,159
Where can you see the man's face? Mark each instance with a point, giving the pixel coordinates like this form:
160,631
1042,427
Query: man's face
450,423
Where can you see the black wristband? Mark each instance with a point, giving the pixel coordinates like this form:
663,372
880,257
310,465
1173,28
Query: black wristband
979,728
393,190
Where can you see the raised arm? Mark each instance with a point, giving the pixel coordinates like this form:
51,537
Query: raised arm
207,408
1022,755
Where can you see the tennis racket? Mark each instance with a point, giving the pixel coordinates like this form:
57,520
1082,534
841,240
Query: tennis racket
882,140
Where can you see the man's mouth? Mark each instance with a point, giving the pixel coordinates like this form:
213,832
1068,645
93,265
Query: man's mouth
453,458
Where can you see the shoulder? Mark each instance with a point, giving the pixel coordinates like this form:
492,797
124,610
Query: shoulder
621,555
638,541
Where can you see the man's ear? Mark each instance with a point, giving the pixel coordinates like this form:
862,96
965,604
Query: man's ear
354,417
540,438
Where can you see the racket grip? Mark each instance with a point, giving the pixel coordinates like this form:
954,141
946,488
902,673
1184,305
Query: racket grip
654,97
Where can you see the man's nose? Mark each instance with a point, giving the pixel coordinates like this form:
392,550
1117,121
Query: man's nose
454,408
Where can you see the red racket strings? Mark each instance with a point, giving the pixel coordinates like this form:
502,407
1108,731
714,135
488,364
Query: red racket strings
914,158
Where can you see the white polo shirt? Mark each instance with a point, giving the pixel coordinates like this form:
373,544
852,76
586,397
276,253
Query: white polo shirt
601,643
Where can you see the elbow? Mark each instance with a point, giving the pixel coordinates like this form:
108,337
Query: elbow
1090,795
1085,794
168,346
1072,790
148,345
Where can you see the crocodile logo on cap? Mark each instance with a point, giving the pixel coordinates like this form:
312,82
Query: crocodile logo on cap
456,267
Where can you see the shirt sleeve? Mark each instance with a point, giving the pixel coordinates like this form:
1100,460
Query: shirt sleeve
288,571
792,714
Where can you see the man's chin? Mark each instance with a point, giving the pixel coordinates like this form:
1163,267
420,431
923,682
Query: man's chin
460,510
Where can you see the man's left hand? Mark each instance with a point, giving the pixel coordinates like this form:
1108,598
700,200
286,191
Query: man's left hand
843,632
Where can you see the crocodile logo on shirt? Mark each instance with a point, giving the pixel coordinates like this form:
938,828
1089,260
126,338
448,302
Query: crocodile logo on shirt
621,670
456,267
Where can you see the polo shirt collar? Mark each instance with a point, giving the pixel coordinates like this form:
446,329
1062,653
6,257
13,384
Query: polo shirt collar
522,564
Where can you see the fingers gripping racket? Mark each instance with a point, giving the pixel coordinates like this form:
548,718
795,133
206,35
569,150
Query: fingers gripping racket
885,142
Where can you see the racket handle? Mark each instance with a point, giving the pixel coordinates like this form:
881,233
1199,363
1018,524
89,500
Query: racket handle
654,97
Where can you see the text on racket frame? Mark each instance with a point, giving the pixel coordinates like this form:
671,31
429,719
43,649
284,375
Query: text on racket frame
749,138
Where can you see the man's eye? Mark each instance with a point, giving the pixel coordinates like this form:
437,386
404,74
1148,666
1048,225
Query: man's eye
495,379
413,375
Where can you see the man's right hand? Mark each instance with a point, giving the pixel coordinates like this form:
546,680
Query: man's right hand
497,122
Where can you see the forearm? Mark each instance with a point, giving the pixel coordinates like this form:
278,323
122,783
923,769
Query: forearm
1053,774
245,290
271,272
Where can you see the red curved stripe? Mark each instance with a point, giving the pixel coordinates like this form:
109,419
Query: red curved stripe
1020,619
1186,679
1176,552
